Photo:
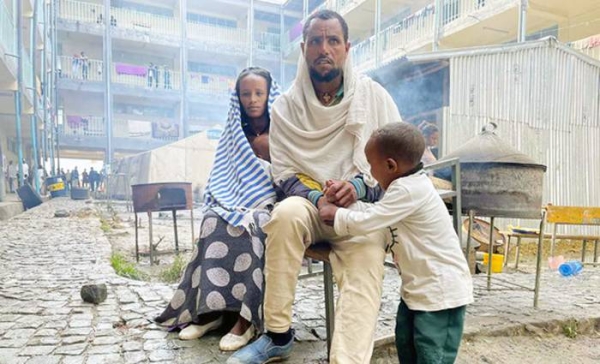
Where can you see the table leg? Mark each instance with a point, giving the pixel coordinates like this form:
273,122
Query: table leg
583,249
538,267
151,252
469,234
596,251
192,219
175,229
507,250
518,253
137,248
491,254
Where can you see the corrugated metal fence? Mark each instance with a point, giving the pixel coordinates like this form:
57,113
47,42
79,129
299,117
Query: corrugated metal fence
545,100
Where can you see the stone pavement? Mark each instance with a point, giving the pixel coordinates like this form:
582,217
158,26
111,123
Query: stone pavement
45,260
11,206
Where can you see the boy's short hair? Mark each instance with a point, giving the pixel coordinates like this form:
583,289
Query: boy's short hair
401,141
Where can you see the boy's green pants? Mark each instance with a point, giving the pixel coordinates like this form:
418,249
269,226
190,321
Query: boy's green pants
428,337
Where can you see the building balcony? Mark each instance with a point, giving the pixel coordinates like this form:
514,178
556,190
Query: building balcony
217,39
89,133
416,32
209,89
267,43
79,16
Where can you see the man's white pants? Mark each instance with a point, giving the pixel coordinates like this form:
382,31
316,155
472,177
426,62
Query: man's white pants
357,263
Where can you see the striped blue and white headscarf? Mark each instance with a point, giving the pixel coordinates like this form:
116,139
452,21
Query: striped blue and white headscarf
238,182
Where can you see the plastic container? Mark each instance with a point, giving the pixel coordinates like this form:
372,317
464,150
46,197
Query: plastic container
570,268
497,262
56,186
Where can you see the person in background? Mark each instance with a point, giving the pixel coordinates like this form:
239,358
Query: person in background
85,178
150,75
75,66
68,179
167,77
75,178
156,76
436,282
25,172
431,134
12,176
85,65
94,179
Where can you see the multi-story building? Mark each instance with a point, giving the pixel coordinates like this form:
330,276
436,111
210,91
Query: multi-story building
147,72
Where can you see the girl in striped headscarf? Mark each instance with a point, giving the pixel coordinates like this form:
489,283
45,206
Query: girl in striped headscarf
225,273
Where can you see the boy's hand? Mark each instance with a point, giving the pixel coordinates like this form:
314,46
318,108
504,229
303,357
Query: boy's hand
327,212
340,193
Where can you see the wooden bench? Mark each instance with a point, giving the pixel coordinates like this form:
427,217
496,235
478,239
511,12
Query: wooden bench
561,215
320,252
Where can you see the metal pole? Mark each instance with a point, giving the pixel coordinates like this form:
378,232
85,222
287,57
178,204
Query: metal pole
55,83
523,21
51,78
281,50
184,69
32,52
18,5
44,74
305,9
107,87
377,33
437,22
251,34
490,254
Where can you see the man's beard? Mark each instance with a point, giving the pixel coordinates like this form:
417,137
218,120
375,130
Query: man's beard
327,77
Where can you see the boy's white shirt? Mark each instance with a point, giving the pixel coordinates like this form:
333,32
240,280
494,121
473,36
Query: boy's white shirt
434,271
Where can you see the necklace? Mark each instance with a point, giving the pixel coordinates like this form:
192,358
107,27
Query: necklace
327,98
262,131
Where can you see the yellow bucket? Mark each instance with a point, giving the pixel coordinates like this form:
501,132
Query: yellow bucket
497,262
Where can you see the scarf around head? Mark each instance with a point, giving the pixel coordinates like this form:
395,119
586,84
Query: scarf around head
238,182
303,131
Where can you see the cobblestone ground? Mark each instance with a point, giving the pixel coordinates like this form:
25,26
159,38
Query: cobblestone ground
45,260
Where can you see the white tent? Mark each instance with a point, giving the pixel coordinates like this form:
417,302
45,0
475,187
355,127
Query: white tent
186,160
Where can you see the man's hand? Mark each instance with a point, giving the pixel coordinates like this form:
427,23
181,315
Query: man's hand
340,193
327,211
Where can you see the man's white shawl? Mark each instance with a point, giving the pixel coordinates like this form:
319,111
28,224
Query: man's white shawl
302,129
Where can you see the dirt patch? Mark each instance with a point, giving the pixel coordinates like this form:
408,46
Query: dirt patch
118,224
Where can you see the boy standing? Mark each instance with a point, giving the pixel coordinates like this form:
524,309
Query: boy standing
436,282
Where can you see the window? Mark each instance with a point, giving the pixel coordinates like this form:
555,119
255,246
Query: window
212,69
211,20
143,8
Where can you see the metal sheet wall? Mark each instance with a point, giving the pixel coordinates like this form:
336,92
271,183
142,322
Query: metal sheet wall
546,102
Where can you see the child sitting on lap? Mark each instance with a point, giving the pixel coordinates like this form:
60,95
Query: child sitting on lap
436,283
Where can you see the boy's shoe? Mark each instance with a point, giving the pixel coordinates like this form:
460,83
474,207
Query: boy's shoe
262,351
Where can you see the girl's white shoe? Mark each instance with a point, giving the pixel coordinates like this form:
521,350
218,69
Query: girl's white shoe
194,331
231,342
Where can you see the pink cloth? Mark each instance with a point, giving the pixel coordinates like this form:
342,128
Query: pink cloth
129,69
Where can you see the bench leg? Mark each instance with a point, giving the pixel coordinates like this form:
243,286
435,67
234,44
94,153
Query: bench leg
518,253
583,249
538,265
329,304
506,251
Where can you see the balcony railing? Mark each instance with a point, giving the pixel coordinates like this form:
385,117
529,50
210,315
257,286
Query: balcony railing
84,126
95,126
7,33
211,84
80,11
416,30
139,76
268,42
78,69
137,20
219,35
